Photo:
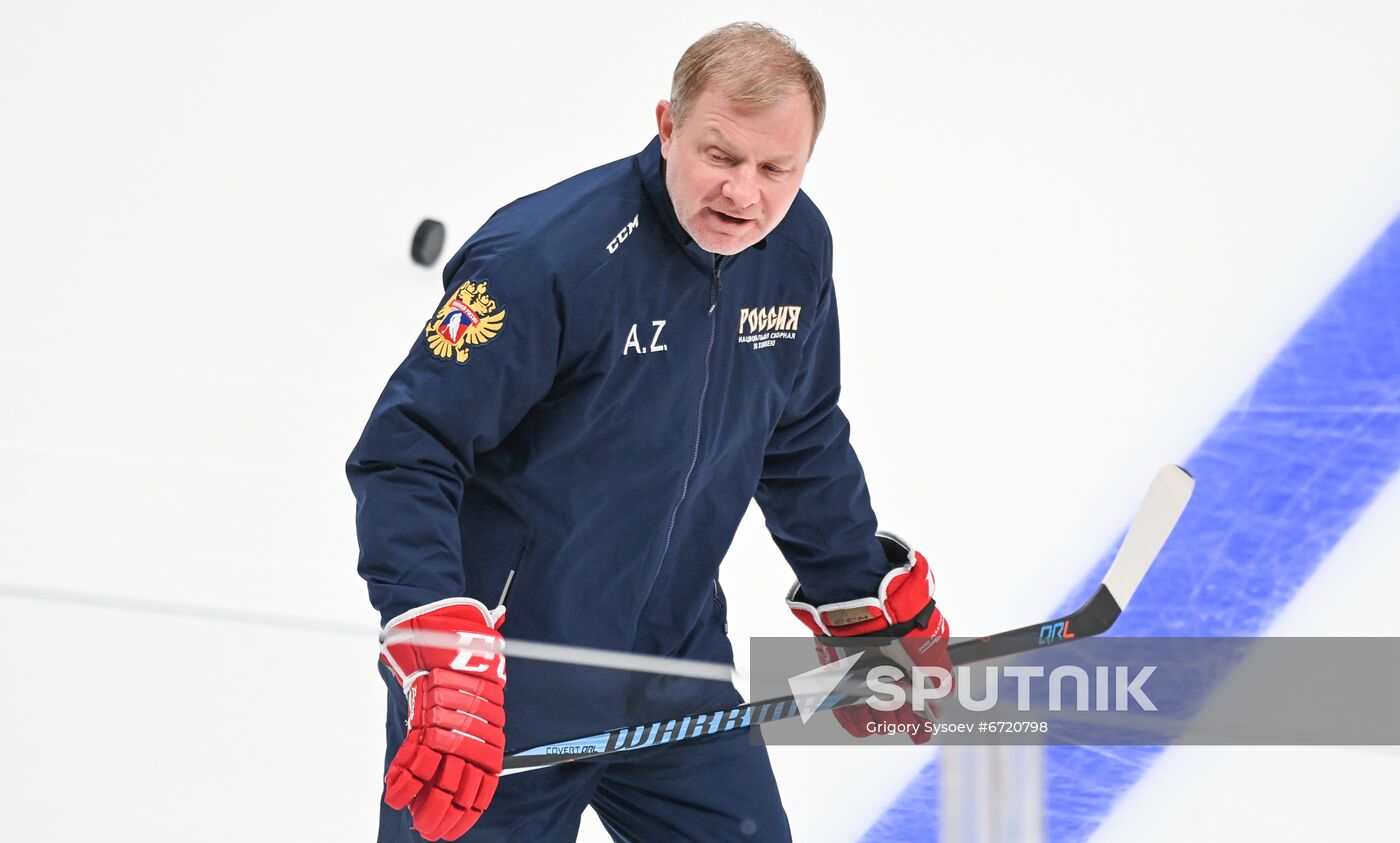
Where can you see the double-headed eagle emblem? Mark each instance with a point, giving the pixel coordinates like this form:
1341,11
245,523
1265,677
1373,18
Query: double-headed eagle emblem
468,318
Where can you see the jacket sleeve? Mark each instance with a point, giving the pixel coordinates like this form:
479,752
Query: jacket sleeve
437,413
812,489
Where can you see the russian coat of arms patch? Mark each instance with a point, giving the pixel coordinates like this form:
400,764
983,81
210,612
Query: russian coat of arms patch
470,317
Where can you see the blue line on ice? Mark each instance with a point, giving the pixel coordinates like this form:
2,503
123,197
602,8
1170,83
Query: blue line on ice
1279,480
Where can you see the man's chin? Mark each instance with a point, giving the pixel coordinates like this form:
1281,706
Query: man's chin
726,244
727,250
720,242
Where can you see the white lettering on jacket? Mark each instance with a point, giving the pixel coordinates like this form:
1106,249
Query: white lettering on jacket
624,233
634,345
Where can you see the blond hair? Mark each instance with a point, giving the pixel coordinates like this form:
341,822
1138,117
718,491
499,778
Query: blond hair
752,65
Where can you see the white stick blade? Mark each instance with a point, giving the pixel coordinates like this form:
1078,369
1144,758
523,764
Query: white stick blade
1161,509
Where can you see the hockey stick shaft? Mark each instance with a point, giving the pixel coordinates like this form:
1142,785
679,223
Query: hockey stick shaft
515,647
1161,509
570,654
780,708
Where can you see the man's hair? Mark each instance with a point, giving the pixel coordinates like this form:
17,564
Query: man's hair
752,65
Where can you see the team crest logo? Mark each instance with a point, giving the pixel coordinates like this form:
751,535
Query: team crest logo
469,318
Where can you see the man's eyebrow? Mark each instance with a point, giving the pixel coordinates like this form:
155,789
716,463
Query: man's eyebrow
713,134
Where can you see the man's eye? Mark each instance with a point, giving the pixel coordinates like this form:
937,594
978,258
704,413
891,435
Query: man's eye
777,171
718,157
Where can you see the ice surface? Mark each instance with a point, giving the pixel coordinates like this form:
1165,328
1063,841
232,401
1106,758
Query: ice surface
1068,238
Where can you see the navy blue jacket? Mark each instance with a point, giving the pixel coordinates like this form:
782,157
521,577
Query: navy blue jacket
593,405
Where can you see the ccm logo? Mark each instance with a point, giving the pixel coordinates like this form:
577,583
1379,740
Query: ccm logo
624,234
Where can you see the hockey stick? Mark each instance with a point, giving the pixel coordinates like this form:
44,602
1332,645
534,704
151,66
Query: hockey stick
1161,509
517,648
544,651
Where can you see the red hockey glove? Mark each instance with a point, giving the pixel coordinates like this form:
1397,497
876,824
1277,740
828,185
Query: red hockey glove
446,771
903,609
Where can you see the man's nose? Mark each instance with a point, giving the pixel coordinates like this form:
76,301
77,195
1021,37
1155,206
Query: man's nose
742,188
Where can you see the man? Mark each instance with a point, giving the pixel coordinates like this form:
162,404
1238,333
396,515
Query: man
621,363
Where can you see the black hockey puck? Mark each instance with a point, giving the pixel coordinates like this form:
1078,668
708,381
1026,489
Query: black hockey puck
427,242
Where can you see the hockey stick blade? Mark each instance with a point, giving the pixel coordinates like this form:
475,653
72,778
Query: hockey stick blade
1161,509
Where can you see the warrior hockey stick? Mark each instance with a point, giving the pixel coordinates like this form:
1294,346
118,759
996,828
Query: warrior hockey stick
1161,509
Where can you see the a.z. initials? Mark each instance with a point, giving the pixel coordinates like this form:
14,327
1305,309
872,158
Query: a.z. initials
634,345
1053,632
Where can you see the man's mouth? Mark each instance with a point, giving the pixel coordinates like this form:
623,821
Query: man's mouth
729,218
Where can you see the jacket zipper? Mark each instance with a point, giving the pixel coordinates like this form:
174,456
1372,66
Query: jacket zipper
715,285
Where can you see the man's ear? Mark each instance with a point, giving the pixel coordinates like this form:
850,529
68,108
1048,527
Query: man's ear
665,126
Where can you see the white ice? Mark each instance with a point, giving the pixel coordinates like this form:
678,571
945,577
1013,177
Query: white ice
1068,236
